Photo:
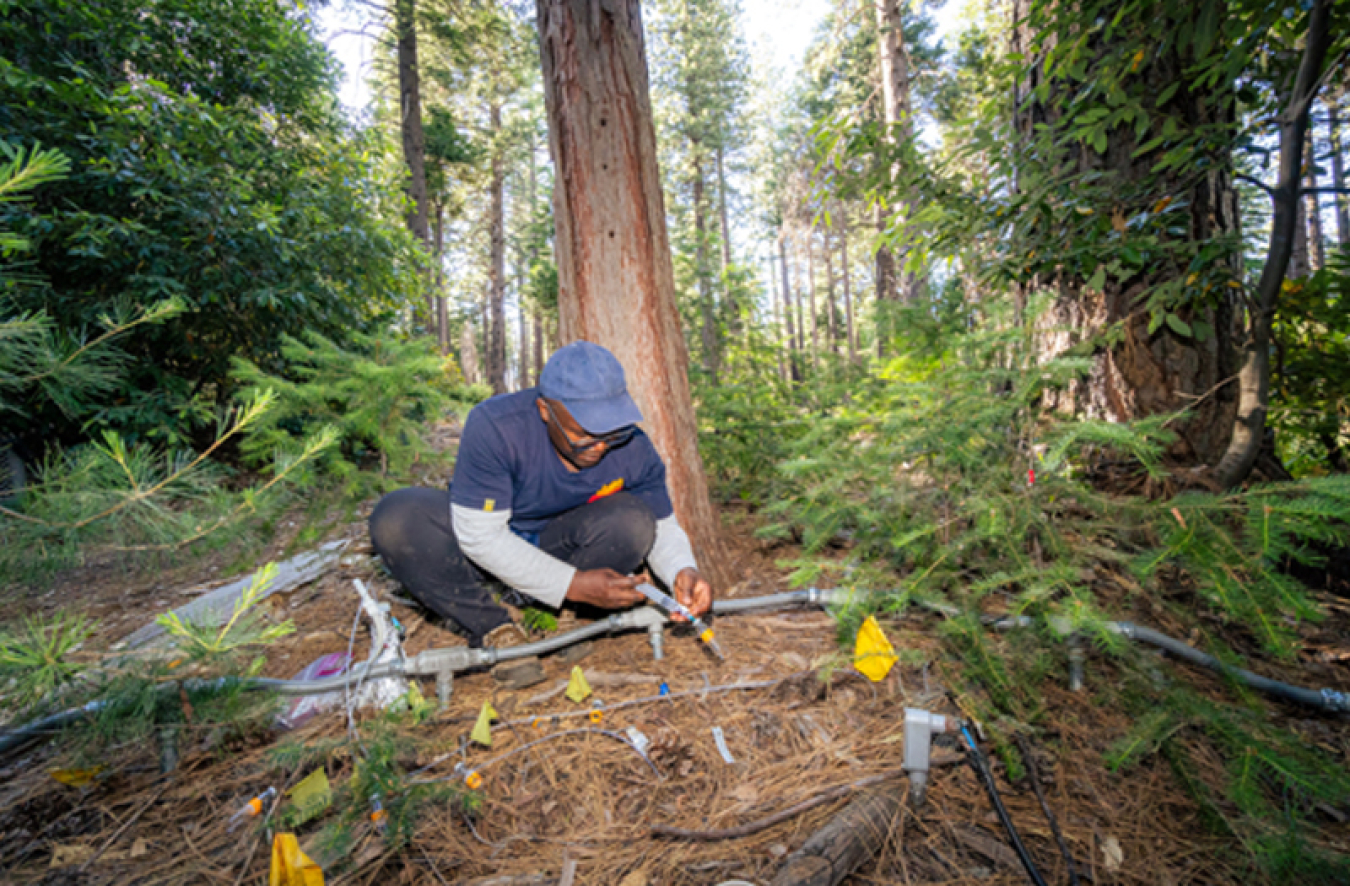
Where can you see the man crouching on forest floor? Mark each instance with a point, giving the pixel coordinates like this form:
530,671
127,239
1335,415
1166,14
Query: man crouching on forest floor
556,493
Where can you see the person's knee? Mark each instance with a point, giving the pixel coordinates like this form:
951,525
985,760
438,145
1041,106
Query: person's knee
401,516
627,525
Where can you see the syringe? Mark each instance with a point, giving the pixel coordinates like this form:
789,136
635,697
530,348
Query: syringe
671,605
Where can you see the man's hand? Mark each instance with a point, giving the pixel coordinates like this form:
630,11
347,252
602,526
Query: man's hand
604,588
693,591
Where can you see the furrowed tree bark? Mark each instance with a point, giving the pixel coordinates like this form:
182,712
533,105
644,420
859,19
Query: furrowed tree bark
1254,376
1144,368
849,840
616,282
414,140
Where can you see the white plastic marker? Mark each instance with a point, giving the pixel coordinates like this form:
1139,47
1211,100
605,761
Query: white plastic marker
721,740
671,605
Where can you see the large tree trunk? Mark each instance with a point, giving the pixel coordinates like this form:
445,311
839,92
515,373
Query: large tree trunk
496,326
1141,371
410,124
616,283
1338,171
1254,378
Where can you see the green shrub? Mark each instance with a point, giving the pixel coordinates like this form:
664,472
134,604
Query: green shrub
379,393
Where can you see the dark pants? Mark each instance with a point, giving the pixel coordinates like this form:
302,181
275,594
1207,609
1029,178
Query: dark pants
410,529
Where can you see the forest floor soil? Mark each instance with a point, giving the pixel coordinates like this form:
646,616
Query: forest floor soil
804,723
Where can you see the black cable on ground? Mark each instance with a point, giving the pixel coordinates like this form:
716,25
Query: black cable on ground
981,767
1045,807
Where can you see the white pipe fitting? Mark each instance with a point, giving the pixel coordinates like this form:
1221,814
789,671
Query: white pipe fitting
920,727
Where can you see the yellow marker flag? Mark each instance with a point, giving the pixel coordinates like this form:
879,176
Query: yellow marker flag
873,655
482,730
578,690
312,795
76,778
291,866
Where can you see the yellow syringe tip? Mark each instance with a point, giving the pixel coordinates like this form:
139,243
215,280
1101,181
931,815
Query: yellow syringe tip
706,636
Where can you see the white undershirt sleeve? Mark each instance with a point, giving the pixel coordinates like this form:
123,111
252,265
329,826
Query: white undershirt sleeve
671,551
486,539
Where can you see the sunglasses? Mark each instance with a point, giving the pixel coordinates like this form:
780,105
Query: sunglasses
611,440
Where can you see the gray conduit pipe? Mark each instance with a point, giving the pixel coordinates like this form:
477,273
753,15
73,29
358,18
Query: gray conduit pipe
1329,700
441,664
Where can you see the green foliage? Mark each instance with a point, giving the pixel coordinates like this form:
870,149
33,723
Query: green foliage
538,620
41,367
111,496
379,394
1310,398
1270,782
920,488
20,173
1233,546
244,627
35,657
209,163
379,776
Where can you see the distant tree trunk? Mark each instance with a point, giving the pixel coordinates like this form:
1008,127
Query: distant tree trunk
1145,371
1342,200
616,282
848,293
1317,256
538,341
414,142
894,70
722,214
442,308
1300,260
811,296
496,329
794,371
777,316
523,381
799,300
884,276
1248,428
469,363
831,306
707,309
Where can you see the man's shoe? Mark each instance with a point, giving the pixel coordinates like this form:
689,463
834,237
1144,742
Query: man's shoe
518,673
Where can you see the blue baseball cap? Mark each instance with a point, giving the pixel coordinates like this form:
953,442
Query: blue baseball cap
589,381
